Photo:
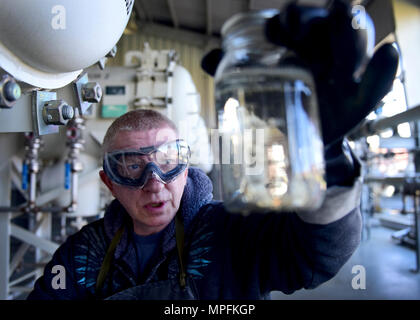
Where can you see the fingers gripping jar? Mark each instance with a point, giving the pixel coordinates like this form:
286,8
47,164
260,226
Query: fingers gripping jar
270,143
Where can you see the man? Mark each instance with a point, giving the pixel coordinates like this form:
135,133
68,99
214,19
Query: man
226,256
163,237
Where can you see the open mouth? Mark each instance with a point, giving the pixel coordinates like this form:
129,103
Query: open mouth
155,205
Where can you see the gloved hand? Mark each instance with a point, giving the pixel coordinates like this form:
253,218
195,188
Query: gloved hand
325,42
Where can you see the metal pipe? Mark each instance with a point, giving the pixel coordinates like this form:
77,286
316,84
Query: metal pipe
31,162
75,143
5,255
413,181
23,278
74,192
18,256
372,127
32,190
388,180
74,181
12,209
21,209
29,237
20,289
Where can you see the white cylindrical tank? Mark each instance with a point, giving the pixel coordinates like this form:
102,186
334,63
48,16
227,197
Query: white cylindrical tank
185,112
46,43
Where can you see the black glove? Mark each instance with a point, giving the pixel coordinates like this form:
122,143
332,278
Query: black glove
325,42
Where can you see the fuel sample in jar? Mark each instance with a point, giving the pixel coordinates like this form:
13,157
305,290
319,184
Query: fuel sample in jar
271,149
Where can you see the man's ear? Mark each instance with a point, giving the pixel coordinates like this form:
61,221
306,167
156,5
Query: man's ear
105,179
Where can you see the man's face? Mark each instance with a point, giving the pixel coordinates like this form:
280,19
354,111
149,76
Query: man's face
154,206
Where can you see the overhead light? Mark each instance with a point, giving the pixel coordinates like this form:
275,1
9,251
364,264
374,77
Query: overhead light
387,133
404,130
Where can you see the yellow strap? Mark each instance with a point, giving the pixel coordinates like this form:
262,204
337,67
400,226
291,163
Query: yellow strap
106,264
180,246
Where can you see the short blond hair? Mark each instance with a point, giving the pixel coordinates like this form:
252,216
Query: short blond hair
136,120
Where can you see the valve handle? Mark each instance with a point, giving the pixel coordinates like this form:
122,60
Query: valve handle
67,175
24,176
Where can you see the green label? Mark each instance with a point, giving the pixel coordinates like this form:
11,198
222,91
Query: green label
113,110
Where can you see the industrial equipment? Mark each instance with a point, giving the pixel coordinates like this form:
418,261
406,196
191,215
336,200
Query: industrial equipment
153,79
44,47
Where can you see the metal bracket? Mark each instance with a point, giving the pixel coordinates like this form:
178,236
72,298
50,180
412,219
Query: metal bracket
82,106
39,98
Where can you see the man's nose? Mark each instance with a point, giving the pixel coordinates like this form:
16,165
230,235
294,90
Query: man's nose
153,185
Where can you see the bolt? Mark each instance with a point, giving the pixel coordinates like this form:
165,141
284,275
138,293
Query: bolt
10,91
91,92
67,112
57,112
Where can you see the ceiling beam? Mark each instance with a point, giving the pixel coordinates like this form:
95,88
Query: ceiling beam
141,11
173,13
193,38
209,26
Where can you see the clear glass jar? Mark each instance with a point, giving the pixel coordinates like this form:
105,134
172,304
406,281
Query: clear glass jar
271,148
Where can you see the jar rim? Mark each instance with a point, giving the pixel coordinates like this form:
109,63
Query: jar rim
250,18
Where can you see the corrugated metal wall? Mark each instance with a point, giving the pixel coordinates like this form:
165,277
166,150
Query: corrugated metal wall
189,57
408,35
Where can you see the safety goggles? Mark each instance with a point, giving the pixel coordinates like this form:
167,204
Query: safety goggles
135,167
